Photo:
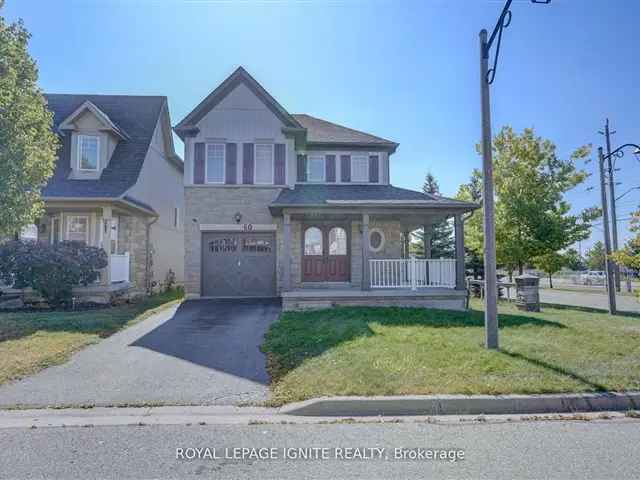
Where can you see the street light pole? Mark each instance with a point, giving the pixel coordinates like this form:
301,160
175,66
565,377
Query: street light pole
612,199
487,76
490,278
611,291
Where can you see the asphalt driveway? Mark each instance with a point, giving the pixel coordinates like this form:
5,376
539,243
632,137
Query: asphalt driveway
202,352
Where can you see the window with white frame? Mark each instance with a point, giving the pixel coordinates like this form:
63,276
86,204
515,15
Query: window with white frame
78,228
359,168
88,152
215,164
264,164
315,168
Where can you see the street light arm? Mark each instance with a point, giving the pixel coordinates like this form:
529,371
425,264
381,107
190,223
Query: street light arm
503,22
618,151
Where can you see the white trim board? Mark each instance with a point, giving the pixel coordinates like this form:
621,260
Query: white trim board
235,227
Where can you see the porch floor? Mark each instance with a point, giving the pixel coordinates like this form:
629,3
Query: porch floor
316,298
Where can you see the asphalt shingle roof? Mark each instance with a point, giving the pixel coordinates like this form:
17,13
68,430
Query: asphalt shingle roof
306,195
135,115
322,131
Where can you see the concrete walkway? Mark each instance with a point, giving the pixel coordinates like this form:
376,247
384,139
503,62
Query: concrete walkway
204,352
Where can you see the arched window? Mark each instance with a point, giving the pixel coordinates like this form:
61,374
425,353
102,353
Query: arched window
337,241
313,241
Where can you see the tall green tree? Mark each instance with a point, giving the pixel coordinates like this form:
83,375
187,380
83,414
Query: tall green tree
595,256
27,143
442,239
551,263
531,214
629,255
575,261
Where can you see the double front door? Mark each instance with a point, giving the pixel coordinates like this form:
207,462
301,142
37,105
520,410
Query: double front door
325,253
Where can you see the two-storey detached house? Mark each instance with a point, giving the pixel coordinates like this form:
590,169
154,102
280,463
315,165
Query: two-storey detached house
118,185
278,204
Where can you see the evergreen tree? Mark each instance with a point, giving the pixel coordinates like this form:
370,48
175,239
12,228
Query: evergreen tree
442,239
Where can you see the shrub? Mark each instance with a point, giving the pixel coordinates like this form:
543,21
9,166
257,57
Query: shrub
51,270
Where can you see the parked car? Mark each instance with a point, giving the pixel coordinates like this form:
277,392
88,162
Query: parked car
593,277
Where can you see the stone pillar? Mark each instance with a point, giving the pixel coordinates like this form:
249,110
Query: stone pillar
107,215
365,252
459,228
286,253
527,293
427,240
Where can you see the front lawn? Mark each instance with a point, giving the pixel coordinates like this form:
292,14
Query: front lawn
393,351
30,341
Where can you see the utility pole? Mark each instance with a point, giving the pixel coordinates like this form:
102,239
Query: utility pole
487,76
612,199
490,278
608,264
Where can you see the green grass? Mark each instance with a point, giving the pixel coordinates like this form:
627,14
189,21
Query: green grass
31,341
393,351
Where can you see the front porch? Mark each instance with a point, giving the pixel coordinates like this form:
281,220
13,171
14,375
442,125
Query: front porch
360,257
317,298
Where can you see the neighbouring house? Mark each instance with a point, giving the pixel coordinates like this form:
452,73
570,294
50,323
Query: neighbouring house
279,204
118,185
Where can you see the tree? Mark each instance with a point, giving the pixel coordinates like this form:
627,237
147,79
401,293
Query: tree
595,256
27,143
551,263
442,240
531,215
575,261
629,255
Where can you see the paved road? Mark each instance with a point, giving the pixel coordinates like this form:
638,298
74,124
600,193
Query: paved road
599,300
205,352
551,449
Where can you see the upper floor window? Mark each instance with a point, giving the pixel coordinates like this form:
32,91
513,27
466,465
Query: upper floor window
315,168
215,164
88,152
264,164
359,168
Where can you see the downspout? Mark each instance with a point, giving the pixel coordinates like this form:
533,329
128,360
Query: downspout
147,264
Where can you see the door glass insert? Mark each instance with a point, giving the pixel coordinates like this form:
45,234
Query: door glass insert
337,241
313,241
253,245
223,245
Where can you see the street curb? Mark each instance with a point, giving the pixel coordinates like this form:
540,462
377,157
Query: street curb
464,404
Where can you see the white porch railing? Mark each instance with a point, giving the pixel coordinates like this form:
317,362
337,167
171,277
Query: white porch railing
119,265
412,273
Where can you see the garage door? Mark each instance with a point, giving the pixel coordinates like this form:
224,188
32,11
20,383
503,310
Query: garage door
238,264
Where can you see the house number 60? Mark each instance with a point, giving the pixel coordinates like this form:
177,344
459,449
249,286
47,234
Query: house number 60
247,227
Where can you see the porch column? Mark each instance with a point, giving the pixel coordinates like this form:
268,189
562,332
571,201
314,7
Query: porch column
426,238
286,253
459,228
405,243
105,225
365,252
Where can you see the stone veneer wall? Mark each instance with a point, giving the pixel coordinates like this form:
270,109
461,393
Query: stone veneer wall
132,238
218,205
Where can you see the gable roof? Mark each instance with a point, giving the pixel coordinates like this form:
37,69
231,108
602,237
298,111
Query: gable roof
135,115
240,75
324,132
360,195
307,130
99,114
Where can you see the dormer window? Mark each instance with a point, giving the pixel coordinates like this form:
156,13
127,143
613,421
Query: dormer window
88,152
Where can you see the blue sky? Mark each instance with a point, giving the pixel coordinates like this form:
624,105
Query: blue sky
404,70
